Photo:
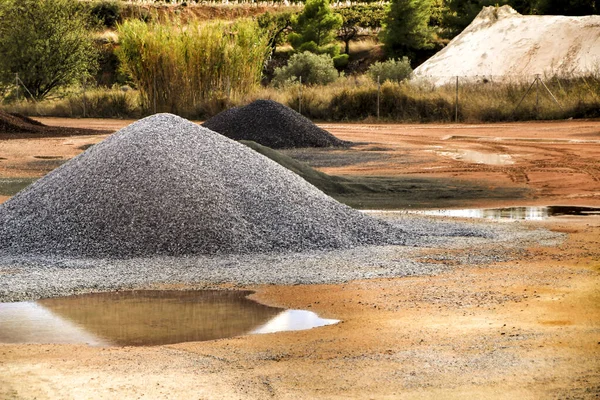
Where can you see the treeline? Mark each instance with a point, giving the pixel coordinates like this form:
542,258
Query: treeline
103,56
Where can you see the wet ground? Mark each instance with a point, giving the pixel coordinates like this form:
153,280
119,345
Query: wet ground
147,318
527,328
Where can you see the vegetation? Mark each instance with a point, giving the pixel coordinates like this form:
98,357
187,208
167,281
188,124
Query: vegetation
177,63
108,13
310,68
193,69
390,70
406,27
45,43
315,28
357,18
275,25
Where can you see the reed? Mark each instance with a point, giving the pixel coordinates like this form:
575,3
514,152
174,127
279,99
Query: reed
192,69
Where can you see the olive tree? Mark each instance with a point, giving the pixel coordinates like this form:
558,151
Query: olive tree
46,42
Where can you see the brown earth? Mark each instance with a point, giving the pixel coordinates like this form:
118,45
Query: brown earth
529,328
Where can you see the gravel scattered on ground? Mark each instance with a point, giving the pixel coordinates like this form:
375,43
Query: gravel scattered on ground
271,124
165,201
164,185
28,277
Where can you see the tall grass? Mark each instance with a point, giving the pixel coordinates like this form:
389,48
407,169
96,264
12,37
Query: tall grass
98,103
192,69
355,99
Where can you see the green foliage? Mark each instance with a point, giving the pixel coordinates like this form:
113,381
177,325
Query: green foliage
108,13
460,13
189,68
314,69
390,70
355,18
46,42
317,23
275,25
406,27
340,62
567,7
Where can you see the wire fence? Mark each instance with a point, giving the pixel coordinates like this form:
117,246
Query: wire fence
423,98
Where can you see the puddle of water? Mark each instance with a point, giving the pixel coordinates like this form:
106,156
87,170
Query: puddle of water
513,213
146,318
478,157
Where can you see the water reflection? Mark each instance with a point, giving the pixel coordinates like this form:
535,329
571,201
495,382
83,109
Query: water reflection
514,213
142,318
294,320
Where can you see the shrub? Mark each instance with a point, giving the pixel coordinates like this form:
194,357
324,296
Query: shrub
46,42
390,70
340,62
314,69
108,13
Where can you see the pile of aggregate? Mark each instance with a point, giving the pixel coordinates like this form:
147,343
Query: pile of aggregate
166,186
20,126
271,124
15,123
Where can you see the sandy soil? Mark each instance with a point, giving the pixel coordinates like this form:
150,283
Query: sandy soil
529,328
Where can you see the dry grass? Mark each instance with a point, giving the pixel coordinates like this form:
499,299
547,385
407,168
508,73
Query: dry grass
355,99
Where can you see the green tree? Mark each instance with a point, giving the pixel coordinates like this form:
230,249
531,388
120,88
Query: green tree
406,27
567,7
275,25
46,42
460,13
315,28
355,18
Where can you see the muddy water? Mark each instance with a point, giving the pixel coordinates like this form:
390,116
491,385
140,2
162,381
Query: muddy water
143,318
515,213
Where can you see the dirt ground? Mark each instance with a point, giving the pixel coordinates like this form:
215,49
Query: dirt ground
528,328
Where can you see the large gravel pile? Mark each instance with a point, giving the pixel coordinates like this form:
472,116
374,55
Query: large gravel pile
164,185
271,124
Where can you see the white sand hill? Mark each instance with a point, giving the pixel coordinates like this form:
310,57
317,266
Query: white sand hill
502,44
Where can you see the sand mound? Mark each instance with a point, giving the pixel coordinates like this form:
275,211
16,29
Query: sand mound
505,44
164,185
271,124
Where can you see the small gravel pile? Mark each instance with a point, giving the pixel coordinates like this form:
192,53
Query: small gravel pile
20,126
14,123
164,185
273,125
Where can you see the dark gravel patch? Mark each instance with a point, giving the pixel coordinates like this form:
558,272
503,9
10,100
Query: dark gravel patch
17,126
271,124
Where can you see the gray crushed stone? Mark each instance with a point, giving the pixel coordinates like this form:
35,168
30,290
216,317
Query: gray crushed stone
28,277
165,201
166,186
273,125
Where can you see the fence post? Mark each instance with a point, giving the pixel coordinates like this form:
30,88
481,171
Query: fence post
84,99
300,97
456,102
154,90
537,95
17,84
378,95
